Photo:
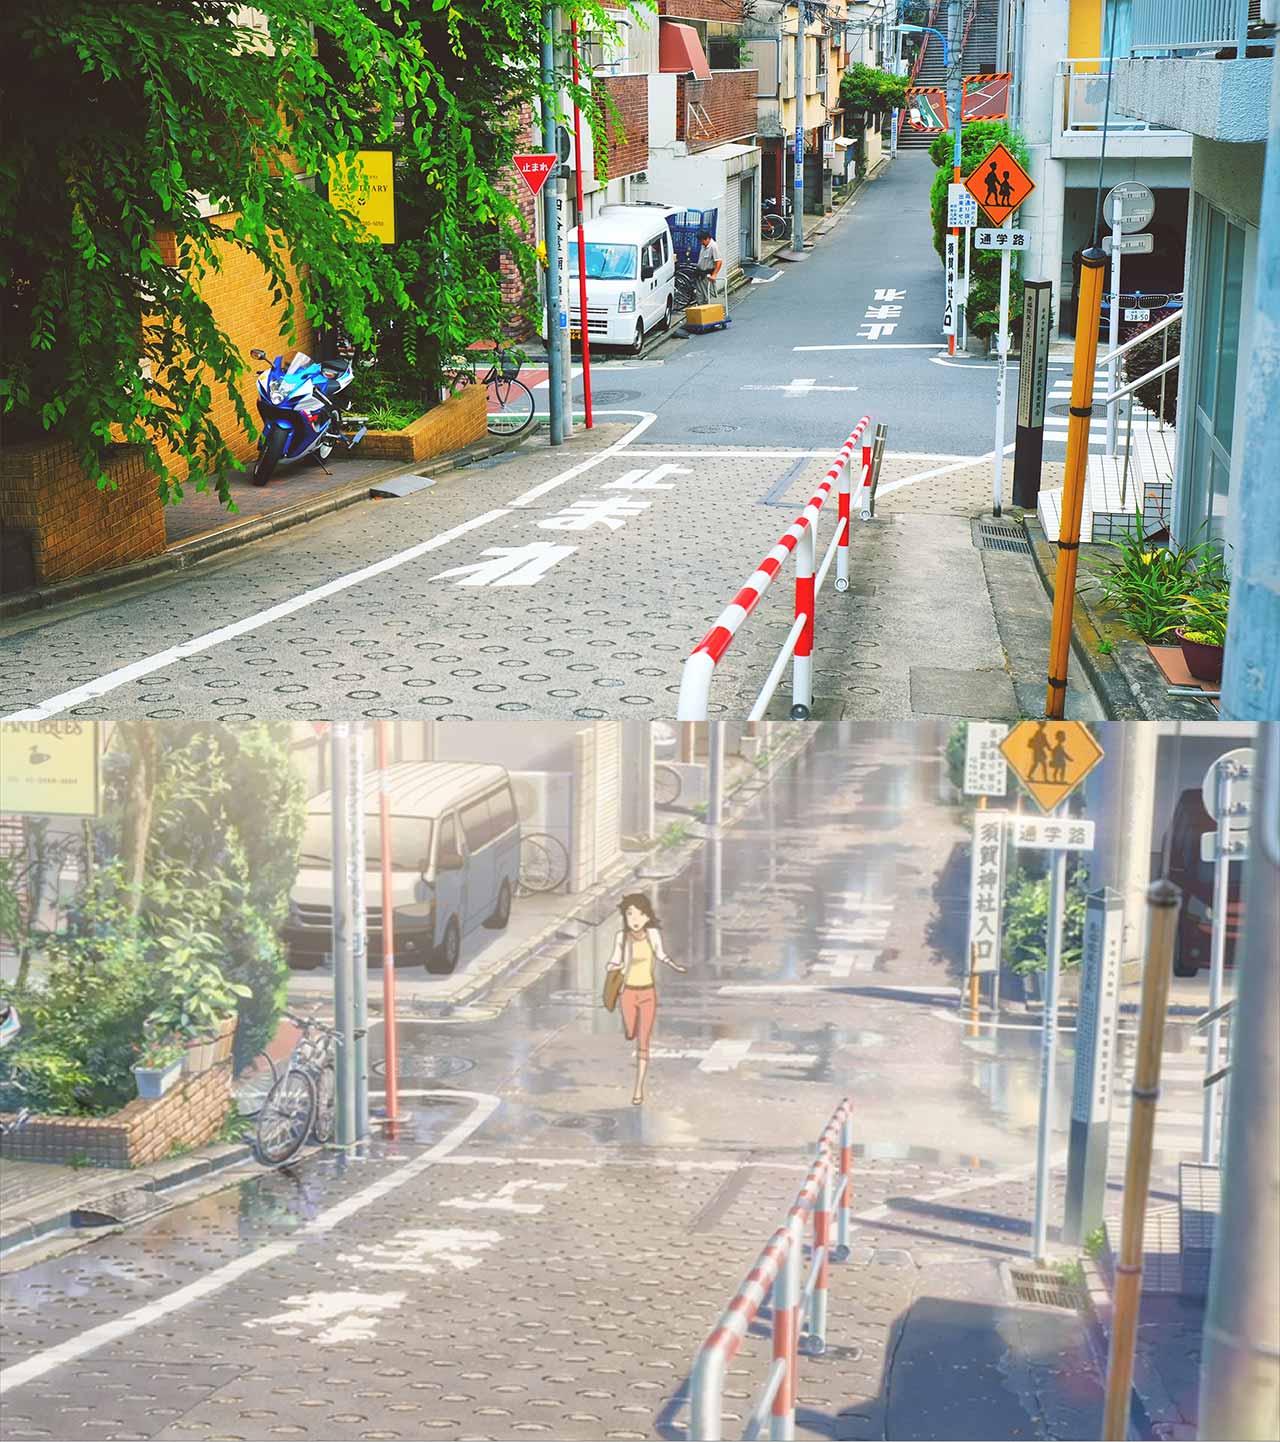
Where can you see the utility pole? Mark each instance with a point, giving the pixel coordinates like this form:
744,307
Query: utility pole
1240,1376
557,305
343,1000
1049,1043
359,931
797,185
955,105
1251,672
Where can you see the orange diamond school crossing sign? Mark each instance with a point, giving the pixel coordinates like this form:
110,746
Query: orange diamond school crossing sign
999,184
1051,758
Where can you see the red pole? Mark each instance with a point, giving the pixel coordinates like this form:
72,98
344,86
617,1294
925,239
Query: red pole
582,247
389,1046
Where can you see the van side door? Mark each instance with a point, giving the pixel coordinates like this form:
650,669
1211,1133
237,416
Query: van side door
653,298
451,876
478,830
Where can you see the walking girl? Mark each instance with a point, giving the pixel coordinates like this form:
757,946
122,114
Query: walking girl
630,979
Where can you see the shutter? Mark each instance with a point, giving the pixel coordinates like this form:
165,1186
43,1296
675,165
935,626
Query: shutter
730,247
608,814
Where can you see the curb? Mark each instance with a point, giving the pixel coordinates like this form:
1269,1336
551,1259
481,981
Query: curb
1105,674
1097,1315
163,1177
186,554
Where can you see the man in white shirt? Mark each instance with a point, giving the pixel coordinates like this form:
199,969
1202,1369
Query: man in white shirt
709,264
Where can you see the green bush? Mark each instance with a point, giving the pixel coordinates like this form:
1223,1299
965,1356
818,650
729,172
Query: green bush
1146,356
976,139
957,741
1026,917
870,91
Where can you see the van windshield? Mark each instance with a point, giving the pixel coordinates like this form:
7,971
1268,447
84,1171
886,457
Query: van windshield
410,842
605,262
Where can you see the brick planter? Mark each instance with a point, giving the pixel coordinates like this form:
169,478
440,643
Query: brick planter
61,525
457,422
189,1115
201,1055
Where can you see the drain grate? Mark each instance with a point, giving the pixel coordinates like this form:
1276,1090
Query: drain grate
719,428
613,398
1000,536
1045,1288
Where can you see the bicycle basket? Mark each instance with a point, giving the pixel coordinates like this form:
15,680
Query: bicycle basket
508,366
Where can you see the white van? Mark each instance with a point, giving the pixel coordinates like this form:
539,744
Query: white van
455,856
631,275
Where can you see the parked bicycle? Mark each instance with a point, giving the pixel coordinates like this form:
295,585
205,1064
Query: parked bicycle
10,1026
686,284
510,402
775,219
302,1100
544,864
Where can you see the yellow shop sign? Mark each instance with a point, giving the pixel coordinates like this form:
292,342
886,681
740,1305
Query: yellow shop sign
49,768
363,184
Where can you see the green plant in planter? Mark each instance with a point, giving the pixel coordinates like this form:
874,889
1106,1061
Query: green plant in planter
156,1052
1148,585
1205,616
200,998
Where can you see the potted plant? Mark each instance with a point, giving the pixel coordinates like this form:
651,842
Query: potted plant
158,1066
201,1004
1203,633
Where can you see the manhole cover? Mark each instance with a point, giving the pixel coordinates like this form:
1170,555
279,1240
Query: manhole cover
585,1124
613,398
718,429
427,1068
1000,536
1045,1288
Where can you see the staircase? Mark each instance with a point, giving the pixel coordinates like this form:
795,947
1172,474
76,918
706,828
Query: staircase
981,19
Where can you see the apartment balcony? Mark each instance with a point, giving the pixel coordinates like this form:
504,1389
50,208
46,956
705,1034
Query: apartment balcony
1080,103
717,110
1202,65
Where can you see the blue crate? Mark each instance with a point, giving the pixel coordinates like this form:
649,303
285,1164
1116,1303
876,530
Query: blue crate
685,225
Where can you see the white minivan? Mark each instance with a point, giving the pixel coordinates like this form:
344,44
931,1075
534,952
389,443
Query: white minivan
455,858
631,275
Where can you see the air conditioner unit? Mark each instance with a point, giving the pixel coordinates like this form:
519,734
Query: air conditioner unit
544,801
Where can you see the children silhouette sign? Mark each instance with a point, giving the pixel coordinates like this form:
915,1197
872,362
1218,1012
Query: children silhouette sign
999,184
1050,758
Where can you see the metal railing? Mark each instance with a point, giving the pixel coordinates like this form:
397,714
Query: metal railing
1178,26
798,1308
1084,102
801,537
1110,400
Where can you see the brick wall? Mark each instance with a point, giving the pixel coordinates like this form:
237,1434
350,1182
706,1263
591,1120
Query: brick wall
727,108
240,297
189,1115
729,11
458,422
628,144
71,527
513,286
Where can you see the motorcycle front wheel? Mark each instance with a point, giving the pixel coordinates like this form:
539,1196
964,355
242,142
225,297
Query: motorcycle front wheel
269,453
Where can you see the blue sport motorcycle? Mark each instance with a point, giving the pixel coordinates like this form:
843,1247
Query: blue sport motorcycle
301,411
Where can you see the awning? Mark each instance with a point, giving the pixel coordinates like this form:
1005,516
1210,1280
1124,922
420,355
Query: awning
843,142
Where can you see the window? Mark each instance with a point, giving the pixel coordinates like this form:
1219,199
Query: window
502,811
605,262
410,841
1211,384
723,45
449,854
475,824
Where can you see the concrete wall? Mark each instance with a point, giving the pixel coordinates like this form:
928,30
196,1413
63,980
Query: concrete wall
1218,99
1045,42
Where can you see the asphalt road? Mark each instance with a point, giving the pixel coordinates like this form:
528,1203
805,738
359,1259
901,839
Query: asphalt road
534,1254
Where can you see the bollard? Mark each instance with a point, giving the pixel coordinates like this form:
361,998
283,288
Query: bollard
816,1339
802,670
846,1198
786,1299
844,499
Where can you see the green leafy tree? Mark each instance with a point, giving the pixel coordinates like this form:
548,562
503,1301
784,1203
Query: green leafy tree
976,139
865,90
142,120
1026,917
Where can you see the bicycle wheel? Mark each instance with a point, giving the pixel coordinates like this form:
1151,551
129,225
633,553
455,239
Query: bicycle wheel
284,1122
544,864
510,406
326,1104
686,288
254,1085
773,227
666,786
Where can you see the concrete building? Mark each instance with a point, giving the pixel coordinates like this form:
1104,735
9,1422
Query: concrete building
1058,53
1180,74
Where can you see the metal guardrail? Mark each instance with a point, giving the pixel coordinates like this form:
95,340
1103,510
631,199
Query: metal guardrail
799,1310
801,538
1175,26
1084,103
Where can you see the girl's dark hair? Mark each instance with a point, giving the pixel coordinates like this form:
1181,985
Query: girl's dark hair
642,903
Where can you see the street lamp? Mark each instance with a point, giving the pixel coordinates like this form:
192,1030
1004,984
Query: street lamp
929,30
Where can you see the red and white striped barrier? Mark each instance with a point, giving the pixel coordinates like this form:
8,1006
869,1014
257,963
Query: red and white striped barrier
828,1188
800,537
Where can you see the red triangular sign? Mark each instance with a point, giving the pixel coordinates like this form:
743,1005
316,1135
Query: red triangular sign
534,169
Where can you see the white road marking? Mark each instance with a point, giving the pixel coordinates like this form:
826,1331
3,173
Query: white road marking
504,1199
91,690
798,388
959,1189
745,989
886,490
425,1250
647,418
335,1318
962,365
42,1363
893,345
511,566
728,1054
